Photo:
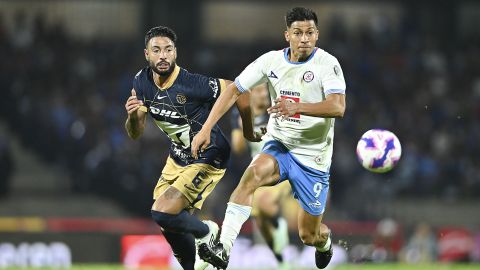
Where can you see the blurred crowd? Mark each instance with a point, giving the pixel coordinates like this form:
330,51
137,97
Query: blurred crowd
418,244
64,99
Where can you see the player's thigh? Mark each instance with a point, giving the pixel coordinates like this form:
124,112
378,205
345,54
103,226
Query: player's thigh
262,171
194,182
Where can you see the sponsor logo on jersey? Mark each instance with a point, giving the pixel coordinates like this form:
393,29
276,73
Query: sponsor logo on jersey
159,97
214,85
165,113
308,76
272,75
182,99
289,93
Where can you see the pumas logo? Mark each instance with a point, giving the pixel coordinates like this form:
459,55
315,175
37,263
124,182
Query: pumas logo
182,99
165,113
272,75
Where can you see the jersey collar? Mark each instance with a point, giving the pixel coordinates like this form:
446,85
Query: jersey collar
171,79
285,54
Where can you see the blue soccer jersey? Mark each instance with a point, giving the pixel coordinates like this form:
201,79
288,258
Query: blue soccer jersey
180,109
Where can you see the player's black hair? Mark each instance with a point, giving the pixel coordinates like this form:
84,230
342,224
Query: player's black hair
160,31
300,14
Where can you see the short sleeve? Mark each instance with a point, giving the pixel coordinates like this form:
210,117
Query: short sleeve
253,74
207,88
333,81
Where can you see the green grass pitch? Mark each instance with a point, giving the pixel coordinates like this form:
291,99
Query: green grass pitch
341,267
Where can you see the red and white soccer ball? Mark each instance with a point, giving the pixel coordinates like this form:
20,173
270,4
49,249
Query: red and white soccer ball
379,150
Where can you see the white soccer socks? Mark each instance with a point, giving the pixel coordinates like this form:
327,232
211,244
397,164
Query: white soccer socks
235,216
326,246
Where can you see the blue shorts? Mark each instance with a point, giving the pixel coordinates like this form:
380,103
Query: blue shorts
309,186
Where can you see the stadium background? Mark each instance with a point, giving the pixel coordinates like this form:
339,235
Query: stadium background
70,176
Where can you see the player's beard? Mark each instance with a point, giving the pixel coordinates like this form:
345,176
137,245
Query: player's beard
169,71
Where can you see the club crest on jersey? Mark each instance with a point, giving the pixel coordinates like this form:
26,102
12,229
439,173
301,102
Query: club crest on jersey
308,76
181,98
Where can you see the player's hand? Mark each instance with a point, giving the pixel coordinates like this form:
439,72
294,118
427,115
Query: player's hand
283,108
256,136
133,104
200,142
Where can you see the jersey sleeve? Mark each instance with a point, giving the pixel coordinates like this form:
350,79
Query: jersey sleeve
253,74
139,89
207,88
333,81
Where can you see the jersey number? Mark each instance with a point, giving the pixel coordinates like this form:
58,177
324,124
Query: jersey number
317,188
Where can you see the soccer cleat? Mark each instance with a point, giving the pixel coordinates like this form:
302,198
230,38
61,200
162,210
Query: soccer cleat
199,263
322,258
211,236
215,255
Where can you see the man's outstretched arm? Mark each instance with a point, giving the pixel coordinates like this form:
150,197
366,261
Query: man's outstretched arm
224,102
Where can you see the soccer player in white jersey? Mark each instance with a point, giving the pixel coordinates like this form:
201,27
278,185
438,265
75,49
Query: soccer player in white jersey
307,88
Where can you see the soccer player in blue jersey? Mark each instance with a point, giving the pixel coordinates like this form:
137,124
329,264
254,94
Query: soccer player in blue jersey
307,90
179,103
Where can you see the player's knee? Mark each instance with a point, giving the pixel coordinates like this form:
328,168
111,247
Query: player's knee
163,220
249,181
256,175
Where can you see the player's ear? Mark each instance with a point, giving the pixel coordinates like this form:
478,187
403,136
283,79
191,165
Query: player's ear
287,36
145,51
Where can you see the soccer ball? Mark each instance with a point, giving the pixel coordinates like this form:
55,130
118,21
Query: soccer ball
379,150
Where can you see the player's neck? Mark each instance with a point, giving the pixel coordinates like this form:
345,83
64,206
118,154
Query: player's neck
298,57
159,80
165,81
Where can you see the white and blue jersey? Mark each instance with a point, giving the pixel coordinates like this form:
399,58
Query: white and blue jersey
306,141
